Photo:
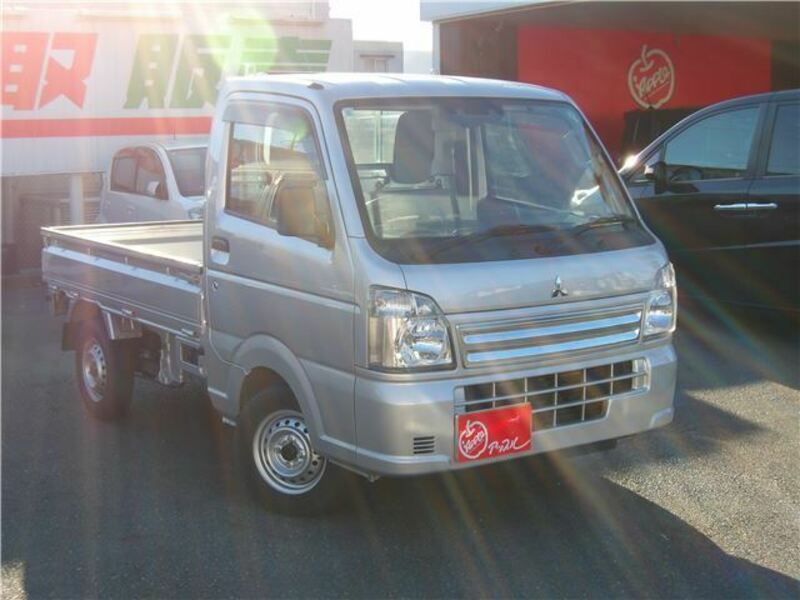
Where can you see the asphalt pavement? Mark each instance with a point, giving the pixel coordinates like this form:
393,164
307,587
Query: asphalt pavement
154,507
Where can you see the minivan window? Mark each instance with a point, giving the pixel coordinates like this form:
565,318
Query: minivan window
189,167
717,147
264,159
483,179
123,173
784,151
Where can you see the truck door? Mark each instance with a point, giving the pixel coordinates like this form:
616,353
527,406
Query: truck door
121,185
269,288
151,202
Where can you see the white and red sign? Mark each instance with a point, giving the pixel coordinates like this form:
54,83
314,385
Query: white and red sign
79,82
651,78
492,433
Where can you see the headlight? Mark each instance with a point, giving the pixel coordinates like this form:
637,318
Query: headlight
662,306
196,212
407,331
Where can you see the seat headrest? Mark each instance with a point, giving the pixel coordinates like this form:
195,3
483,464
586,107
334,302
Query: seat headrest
413,147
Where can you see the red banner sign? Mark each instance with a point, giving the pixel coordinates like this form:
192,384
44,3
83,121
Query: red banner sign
493,433
612,72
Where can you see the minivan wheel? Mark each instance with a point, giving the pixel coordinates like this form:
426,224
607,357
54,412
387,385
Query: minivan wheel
286,472
103,371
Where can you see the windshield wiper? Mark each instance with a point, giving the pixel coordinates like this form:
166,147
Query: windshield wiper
603,222
497,231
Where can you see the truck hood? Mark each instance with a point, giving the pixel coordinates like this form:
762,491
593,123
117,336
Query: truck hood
471,287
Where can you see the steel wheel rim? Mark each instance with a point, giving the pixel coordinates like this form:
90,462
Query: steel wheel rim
283,454
95,370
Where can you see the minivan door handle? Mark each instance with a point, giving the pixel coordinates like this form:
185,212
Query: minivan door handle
738,206
220,250
761,206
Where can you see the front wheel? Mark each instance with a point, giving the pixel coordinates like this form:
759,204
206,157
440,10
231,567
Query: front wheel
287,473
104,372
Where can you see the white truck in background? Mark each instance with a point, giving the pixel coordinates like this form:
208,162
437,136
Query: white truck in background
155,182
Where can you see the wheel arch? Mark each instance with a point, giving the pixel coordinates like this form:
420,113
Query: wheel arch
265,360
79,312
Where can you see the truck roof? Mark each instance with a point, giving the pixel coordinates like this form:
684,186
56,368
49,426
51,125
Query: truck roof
332,87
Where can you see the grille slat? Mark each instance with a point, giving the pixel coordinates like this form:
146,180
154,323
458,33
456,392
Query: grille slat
484,398
425,444
564,397
512,341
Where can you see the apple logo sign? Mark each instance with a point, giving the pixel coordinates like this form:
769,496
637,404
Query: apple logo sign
651,78
473,440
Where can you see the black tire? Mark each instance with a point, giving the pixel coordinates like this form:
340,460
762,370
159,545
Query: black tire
269,418
103,371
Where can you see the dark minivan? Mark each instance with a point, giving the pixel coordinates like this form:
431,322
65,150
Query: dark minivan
722,191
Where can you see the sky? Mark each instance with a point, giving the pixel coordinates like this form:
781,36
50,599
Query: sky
390,20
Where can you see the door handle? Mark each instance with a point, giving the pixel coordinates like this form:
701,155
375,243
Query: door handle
220,250
739,206
761,206
220,244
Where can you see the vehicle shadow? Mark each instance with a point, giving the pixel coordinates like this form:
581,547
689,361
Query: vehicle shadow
168,516
533,528
719,346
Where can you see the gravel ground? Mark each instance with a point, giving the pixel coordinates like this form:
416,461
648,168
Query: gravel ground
152,507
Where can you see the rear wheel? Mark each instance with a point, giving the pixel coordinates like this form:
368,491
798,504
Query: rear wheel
285,470
104,372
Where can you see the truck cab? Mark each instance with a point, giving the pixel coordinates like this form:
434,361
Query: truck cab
396,275
154,182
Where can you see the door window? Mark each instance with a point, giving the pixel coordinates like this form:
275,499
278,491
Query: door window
784,151
278,157
189,168
718,147
123,173
149,170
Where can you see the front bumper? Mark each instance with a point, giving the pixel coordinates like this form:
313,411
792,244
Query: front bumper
391,416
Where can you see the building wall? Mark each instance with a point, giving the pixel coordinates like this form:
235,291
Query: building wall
479,47
80,81
607,74
377,57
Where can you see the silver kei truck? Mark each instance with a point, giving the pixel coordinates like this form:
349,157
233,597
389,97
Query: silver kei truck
395,275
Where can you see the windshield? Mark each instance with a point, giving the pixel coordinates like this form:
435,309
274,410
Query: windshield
189,166
478,179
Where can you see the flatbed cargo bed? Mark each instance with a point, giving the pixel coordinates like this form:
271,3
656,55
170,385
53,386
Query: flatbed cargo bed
150,272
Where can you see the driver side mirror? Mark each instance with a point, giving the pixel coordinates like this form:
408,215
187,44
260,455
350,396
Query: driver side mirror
657,173
299,214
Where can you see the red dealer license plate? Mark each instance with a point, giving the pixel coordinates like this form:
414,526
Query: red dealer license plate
493,433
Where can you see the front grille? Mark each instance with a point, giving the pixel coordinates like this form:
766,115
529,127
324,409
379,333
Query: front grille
519,341
561,398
